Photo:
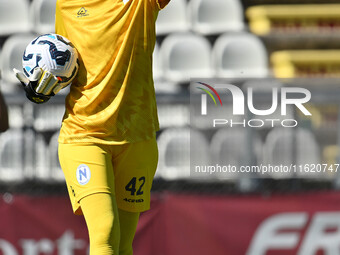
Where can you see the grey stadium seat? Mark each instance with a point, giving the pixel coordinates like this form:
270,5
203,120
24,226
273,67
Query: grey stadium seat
11,56
185,56
172,18
42,16
14,17
210,17
240,55
174,152
12,155
56,172
235,147
288,146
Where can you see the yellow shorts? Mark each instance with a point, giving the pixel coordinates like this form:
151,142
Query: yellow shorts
125,171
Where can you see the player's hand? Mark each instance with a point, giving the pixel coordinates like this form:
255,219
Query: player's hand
40,86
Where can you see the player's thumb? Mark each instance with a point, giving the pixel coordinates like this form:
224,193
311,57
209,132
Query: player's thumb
21,77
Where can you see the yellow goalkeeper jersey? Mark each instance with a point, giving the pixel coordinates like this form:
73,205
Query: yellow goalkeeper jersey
112,100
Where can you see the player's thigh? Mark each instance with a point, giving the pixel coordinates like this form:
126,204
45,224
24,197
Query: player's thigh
134,169
87,169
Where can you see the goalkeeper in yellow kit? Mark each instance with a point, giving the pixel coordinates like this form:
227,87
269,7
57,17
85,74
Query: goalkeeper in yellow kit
107,146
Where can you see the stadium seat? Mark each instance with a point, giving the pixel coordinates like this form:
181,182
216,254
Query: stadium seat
156,64
42,16
16,116
163,86
210,17
173,115
173,18
240,55
12,155
29,153
42,159
235,147
11,56
48,118
14,17
185,56
286,146
56,172
174,152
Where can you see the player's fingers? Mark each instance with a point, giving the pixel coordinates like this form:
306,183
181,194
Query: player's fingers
47,83
42,83
21,77
36,75
53,82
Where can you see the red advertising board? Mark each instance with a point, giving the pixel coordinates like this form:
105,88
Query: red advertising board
291,224
40,225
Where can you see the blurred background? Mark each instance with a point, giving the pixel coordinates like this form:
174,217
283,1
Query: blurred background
252,42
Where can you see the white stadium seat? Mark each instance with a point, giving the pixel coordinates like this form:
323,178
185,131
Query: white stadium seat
11,155
210,17
172,18
240,55
42,16
56,173
161,84
285,146
11,56
235,147
167,87
46,163
14,17
16,116
185,56
173,115
49,117
174,152
156,64
42,159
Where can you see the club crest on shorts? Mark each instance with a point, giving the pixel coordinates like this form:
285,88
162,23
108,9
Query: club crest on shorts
83,174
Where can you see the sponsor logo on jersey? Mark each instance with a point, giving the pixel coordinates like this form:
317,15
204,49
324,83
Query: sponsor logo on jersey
82,12
83,174
129,200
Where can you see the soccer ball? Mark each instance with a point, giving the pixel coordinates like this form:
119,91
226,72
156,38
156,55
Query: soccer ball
52,53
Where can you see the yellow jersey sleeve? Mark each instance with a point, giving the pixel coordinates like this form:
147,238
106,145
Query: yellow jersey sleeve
112,100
